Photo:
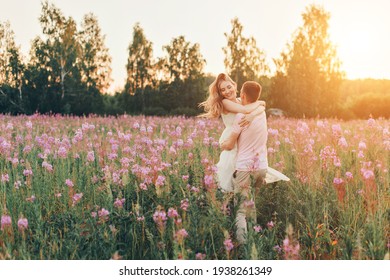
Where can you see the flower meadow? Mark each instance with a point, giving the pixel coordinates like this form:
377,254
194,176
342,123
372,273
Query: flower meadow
144,188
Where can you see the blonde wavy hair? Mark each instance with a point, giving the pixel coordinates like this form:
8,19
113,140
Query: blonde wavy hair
213,106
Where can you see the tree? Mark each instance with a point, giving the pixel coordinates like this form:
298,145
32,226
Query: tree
308,73
184,61
184,65
11,72
62,41
96,62
139,64
54,68
243,59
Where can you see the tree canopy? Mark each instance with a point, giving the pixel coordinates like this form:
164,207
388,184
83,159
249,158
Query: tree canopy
308,78
68,71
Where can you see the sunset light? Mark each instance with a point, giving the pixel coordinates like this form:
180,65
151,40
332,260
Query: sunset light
239,133
357,50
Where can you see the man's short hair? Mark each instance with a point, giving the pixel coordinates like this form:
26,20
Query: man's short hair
252,90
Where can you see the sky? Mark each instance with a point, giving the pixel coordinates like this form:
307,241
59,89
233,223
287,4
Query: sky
360,29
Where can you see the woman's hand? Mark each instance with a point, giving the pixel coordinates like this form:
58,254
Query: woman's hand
246,120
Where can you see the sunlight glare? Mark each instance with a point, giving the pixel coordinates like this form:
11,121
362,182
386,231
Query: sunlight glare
355,49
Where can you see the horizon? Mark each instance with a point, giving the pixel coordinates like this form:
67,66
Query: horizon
356,28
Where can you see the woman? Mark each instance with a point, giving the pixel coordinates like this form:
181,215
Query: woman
222,101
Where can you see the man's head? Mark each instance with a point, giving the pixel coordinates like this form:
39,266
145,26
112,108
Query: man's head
250,92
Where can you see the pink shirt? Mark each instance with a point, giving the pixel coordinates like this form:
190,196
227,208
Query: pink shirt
251,144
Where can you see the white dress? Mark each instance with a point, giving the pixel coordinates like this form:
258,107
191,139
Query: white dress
227,160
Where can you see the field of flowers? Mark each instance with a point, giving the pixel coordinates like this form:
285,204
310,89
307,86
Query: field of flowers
143,188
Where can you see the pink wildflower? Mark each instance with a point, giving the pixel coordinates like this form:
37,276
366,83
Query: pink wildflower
103,214
320,124
119,203
17,184
112,156
362,145
91,156
213,169
15,161
257,228
69,183
349,175
4,178
47,166
140,218
200,256
291,251
338,181
62,152
185,177
343,143
190,142
143,186
278,249
368,174
270,224
136,125
178,221
195,189
29,124
160,181
181,234
160,218
273,132
172,213
22,224
6,221
208,180
228,245
27,172
184,204
249,204
95,179
76,198
172,151
371,122
336,129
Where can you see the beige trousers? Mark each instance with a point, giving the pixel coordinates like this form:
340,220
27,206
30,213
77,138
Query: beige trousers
242,191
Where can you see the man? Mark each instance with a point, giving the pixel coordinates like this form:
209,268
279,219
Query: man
251,160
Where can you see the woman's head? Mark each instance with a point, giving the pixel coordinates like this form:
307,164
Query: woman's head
222,87
226,87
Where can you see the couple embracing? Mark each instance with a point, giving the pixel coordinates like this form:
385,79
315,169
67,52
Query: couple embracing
243,142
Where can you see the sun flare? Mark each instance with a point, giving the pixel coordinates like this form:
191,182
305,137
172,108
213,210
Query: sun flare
356,50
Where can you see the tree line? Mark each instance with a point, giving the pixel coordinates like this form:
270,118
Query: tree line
69,71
